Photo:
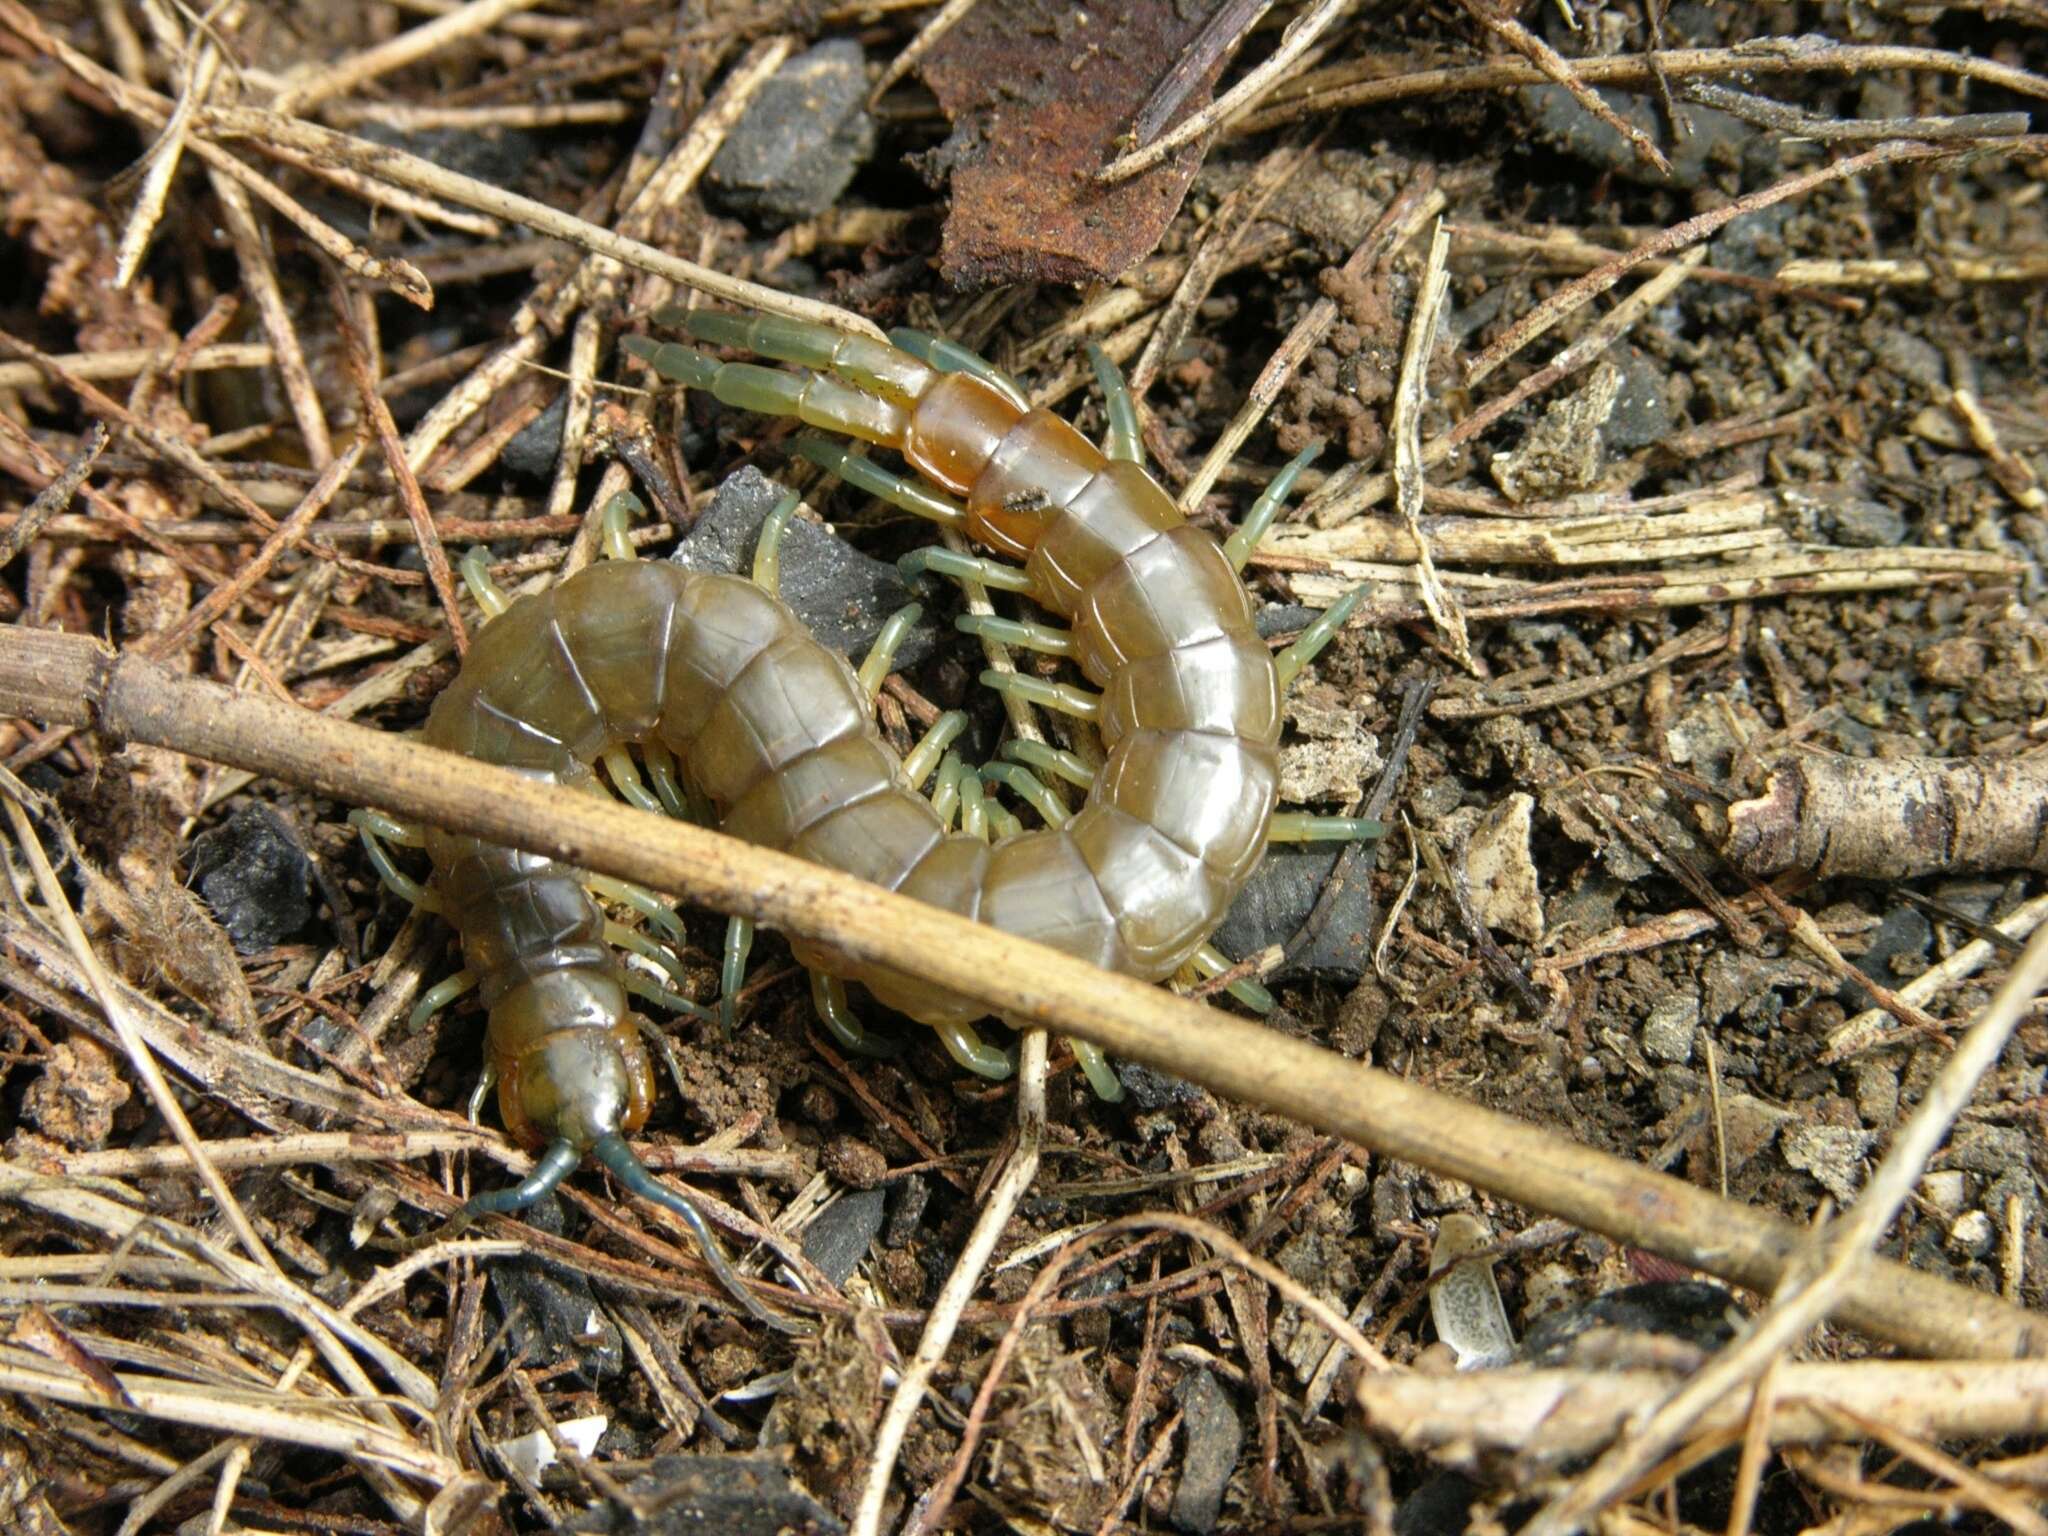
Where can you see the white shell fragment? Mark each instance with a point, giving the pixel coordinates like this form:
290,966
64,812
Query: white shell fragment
531,1455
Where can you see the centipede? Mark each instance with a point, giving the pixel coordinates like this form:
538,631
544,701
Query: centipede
732,705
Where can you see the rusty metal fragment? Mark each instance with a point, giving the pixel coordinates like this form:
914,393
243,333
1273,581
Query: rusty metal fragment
1041,96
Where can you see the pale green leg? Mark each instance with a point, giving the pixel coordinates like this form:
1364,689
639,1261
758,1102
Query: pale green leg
917,767
1048,759
951,357
739,943
613,521
945,562
967,1047
1239,545
860,360
643,901
661,771
1064,697
1209,961
828,997
645,987
1298,827
1002,822
1095,1067
439,996
373,827
1029,788
480,1095
1309,644
476,575
863,473
625,777
665,1048
881,657
1049,638
973,804
946,790
619,936
1122,442
768,546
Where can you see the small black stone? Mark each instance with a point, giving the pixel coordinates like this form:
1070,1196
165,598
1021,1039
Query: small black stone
1214,1439
255,876
840,1238
1277,900
1150,1089
533,452
1903,931
554,1313
714,1496
801,138
843,596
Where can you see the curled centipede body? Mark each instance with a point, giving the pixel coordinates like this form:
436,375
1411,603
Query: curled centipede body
726,690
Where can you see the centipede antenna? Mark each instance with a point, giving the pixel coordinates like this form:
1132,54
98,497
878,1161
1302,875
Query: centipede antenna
768,545
618,1158
922,758
1094,1066
835,458
661,772
476,575
439,996
732,971
617,516
1064,697
951,357
1298,827
946,562
369,825
881,657
1239,546
1029,788
553,1166
1033,636
1052,760
625,777
1309,644
1122,441
966,1046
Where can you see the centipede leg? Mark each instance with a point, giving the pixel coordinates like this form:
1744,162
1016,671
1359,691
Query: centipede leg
945,562
373,827
1296,827
665,1048
1064,697
861,361
1029,788
619,936
480,1095
967,1047
1122,440
835,458
618,1158
732,971
647,989
951,357
924,757
439,996
973,804
1309,644
661,770
1209,962
483,591
625,777
1095,1067
945,795
1061,764
615,519
818,400
828,998
1239,546
643,901
768,546
1032,635
881,657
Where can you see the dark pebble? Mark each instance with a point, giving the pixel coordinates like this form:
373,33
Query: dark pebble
1642,409
843,596
1691,1310
1150,1089
801,138
553,1312
840,1238
713,1496
1716,138
537,446
1903,931
1214,1439
906,1212
255,876
1277,900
